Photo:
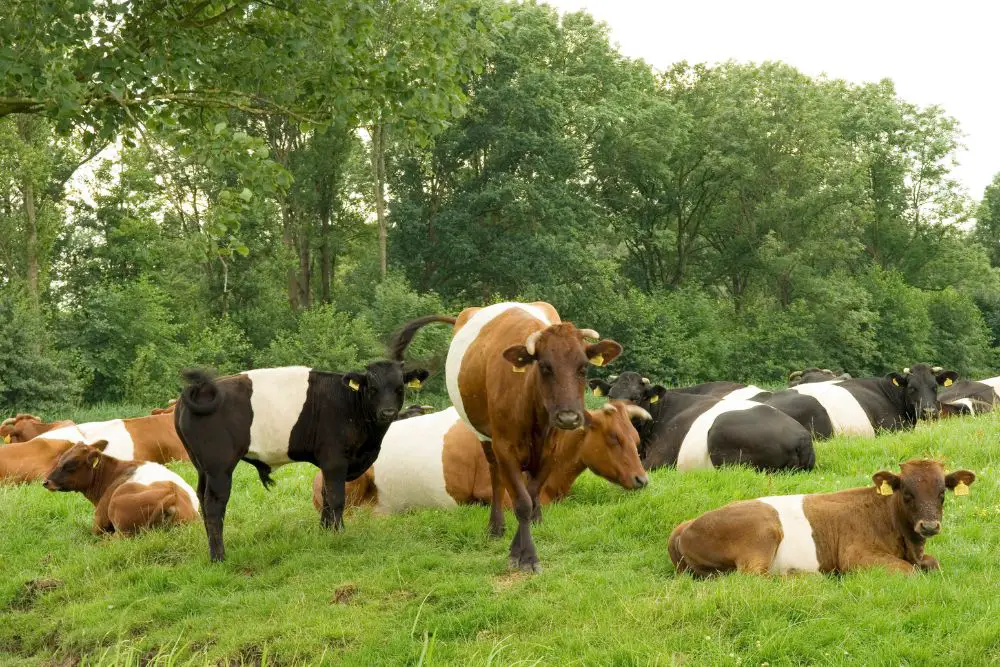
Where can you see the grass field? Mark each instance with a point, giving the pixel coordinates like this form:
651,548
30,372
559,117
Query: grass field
430,588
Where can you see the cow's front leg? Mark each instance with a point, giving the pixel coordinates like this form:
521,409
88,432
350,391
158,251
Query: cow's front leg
534,485
522,548
334,482
929,563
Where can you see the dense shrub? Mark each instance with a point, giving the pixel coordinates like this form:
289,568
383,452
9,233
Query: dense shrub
325,339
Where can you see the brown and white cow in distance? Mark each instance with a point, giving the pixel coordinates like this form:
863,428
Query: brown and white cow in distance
24,427
151,438
127,496
31,461
885,525
514,372
437,461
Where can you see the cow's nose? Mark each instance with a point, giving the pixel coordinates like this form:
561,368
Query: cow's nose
928,528
930,413
640,481
388,414
568,419
49,484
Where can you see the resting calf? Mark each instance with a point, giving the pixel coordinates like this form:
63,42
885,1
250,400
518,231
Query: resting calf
24,427
886,525
127,496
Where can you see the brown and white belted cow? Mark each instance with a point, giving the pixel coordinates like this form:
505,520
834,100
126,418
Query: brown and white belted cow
515,372
127,496
140,439
436,460
30,461
24,427
885,525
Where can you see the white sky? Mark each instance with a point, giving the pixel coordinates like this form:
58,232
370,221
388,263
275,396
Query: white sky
945,53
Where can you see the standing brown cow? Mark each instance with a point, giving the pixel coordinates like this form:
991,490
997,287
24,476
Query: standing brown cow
514,372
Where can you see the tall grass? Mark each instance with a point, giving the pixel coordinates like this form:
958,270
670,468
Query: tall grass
429,587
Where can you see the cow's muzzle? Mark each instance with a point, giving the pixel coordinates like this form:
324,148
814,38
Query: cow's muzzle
928,528
930,413
50,485
569,419
387,414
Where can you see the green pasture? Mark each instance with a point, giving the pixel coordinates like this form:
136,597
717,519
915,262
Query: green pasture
430,588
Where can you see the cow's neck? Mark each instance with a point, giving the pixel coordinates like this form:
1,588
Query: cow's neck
568,463
897,397
107,474
912,543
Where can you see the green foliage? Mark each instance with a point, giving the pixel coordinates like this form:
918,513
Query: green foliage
960,334
33,375
327,340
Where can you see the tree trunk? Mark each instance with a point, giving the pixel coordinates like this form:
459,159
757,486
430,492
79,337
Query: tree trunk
325,261
288,239
378,173
31,242
305,273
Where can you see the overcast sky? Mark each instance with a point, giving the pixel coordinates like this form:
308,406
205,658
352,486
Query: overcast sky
945,53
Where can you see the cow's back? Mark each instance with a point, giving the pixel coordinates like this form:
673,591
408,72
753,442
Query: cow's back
475,368
409,470
849,405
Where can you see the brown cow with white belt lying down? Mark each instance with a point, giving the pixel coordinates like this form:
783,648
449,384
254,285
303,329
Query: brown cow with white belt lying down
127,496
24,427
437,461
885,525
30,461
140,439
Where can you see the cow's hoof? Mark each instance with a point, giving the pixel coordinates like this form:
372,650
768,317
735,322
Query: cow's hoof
531,568
929,563
513,563
495,530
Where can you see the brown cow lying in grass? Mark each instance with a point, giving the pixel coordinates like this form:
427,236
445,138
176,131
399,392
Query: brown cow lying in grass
882,526
127,496
27,462
437,461
24,427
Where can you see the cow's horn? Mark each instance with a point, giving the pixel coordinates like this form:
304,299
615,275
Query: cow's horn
637,412
794,375
590,333
612,379
608,408
530,343
645,380
827,370
937,369
906,371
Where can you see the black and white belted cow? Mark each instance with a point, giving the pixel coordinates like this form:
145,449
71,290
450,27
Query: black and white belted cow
808,375
968,397
862,406
629,382
692,431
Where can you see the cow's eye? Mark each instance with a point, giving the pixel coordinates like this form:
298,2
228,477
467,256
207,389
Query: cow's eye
546,369
582,371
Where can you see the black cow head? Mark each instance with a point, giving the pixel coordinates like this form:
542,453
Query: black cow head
629,386
918,387
381,387
808,375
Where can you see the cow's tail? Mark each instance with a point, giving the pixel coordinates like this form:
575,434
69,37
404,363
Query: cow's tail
202,396
674,547
402,338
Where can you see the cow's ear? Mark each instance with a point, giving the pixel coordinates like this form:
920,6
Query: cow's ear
959,481
655,393
100,445
354,381
518,356
599,387
946,378
897,379
885,482
415,379
603,352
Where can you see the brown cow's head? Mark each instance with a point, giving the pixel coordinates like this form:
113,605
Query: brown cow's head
559,357
919,492
75,469
918,386
610,447
24,427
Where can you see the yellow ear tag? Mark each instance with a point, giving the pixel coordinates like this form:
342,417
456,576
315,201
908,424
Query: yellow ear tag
654,399
597,360
597,392
895,381
519,369
885,489
414,384
961,489
947,382
353,384
97,460
6,440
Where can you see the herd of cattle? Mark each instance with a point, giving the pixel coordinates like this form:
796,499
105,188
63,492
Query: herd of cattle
518,435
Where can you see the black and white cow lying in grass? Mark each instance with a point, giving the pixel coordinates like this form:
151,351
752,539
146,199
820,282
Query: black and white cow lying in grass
968,397
692,431
720,389
814,375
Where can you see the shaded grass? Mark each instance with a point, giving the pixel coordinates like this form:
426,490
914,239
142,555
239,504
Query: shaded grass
429,587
